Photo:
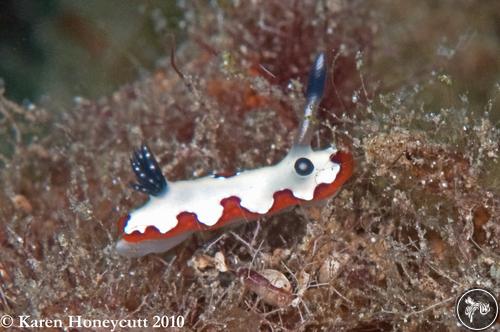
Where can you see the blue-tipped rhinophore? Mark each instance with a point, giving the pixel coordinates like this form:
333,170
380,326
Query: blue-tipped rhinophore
314,93
316,81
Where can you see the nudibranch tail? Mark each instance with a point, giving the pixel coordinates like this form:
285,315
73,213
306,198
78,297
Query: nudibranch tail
314,93
148,173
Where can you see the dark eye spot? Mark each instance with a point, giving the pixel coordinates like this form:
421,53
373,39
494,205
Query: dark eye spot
303,166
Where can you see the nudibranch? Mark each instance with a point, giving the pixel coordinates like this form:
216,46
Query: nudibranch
176,210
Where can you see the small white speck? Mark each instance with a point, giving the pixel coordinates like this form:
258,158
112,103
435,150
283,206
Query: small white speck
355,98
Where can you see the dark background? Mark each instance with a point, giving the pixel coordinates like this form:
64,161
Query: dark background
64,48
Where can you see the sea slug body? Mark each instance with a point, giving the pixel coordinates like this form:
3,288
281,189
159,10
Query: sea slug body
175,210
